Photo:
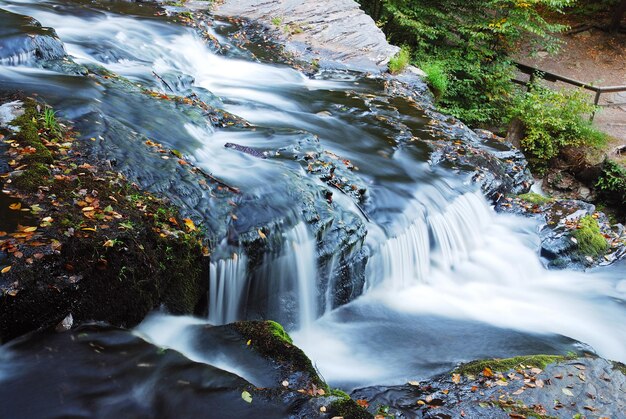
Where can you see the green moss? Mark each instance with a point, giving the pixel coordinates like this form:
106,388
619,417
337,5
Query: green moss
591,242
277,330
339,393
348,409
535,198
400,61
33,177
270,340
521,409
502,365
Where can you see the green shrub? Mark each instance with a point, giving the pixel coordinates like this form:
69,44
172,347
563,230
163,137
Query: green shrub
553,120
611,185
400,61
591,242
436,77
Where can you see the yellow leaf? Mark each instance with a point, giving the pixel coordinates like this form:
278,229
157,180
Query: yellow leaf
88,209
88,229
15,207
5,270
189,224
30,229
249,342
261,235
487,372
109,243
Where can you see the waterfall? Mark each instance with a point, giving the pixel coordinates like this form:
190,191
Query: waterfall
434,237
228,283
303,261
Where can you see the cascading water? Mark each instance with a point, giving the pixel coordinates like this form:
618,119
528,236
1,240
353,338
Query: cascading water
228,286
447,279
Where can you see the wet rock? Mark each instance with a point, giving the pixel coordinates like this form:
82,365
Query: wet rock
559,220
103,371
589,387
24,41
328,31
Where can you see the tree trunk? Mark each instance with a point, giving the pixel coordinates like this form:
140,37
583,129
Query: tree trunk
618,15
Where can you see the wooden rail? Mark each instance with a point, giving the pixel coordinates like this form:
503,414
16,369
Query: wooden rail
534,73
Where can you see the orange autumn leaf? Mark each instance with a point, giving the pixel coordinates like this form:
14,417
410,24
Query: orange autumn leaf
5,269
487,372
363,403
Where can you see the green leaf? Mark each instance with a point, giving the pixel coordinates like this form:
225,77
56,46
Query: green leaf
246,396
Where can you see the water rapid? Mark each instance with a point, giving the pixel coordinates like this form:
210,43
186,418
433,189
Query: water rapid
405,280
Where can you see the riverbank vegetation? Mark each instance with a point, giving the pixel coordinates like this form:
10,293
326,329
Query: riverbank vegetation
466,49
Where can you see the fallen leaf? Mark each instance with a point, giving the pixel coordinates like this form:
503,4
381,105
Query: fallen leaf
5,269
456,378
189,224
16,206
285,383
109,243
30,229
414,383
567,392
363,403
487,372
536,370
323,409
261,235
246,396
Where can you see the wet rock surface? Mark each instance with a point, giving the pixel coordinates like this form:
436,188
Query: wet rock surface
100,371
333,31
587,387
559,220
24,40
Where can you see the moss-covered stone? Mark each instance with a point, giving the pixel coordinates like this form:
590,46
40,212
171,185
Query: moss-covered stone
348,409
102,249
502,365
591,242
272,341
535,198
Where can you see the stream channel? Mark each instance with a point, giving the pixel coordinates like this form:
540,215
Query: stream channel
397,272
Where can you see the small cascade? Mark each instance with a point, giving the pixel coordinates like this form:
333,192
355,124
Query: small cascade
458,229
435,237
18,59
228,285
291,279
302,259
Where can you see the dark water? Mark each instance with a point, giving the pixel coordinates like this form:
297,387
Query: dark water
445,279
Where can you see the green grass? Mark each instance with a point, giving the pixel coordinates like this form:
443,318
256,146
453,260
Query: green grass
277,21
436,77
400,61
591,242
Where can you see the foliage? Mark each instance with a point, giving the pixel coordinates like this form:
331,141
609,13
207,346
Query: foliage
591,242
611,185
471,39
400,61
436,77
553,120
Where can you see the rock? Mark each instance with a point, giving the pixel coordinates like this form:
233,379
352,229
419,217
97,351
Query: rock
562,388
24,41
66,324
104,372
559,220
334,31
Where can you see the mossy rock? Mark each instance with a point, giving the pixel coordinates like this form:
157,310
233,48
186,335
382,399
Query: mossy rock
591,242
506,364
270,340
535,198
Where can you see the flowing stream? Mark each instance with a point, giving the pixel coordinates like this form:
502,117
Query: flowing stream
445,278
